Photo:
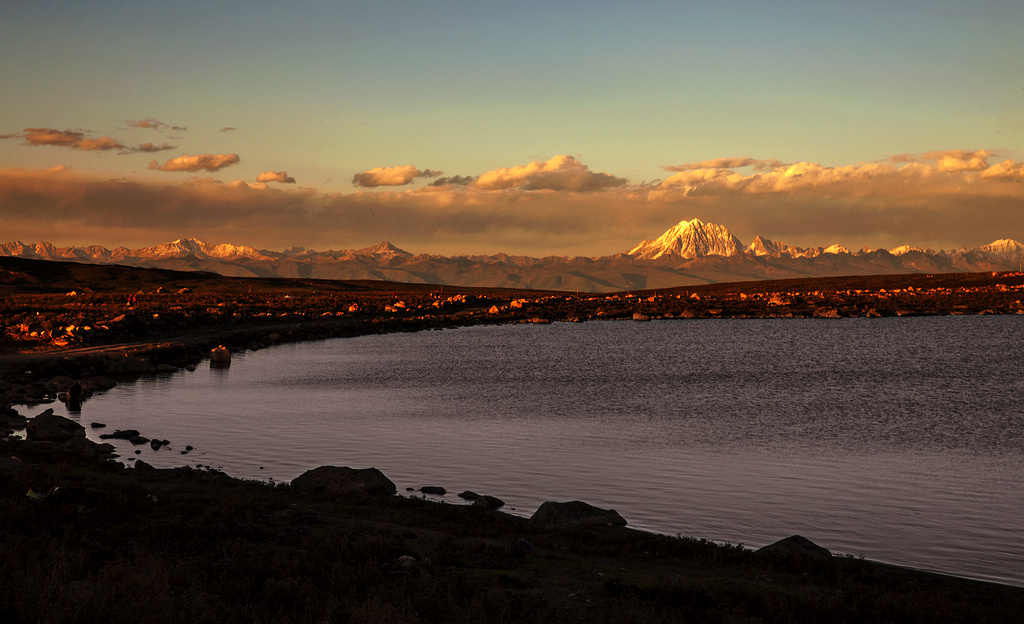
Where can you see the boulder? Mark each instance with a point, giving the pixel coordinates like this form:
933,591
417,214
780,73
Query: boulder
489,502
120,434
344,480
574,513
220,355
469,495
52,428
796,546
433,489
10,418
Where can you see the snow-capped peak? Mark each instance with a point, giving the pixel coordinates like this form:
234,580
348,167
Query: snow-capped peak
690,239
384,248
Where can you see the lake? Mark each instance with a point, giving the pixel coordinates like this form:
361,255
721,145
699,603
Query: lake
899,439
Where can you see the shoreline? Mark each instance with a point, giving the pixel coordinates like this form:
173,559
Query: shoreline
127,531
726,543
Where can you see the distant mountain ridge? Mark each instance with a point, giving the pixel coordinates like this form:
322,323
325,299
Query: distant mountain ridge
690,252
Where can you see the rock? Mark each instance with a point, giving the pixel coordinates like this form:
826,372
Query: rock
156,444
142,466
97,425
120,434
345,480
826,313
50,427
637,316
494,310
11,419
574,513
220,355
489,502
137,440
75,396
796,546
89,448
432,489
467,495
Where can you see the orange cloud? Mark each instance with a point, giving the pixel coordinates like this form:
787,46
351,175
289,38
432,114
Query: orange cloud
391,176
153,124
275,176
199,162
560,173
75,139
149,147
806,204
68,138
960,160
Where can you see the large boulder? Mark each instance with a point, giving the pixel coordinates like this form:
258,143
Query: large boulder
796,546
49,427
489,502
575,513
345,480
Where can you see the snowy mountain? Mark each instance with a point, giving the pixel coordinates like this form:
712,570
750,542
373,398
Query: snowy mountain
689,239
691,252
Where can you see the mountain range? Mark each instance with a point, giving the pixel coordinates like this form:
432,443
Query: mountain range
691,252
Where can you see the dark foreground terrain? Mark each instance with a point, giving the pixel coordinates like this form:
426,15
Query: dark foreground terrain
117,544
82,538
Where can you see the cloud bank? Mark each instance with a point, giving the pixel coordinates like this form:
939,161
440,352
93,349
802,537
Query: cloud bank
557,206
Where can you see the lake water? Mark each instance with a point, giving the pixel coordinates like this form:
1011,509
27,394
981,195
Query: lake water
901,440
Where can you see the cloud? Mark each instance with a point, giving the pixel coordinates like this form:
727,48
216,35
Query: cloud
275,176
880,204
391,176
76,139
560,173
960,160
199,162
730,163
228,129
1006,170
454,181
149,147
715,163
69,138
154,124
148,123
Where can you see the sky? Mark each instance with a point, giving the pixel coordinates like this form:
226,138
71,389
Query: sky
536,128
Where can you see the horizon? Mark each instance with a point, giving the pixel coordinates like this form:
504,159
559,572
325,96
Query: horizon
573,129
825,249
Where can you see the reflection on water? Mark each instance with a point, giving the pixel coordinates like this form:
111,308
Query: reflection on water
898,439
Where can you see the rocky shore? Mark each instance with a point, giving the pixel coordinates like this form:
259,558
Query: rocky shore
92,329
87,539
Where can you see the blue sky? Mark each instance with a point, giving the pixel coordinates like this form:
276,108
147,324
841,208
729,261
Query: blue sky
325,91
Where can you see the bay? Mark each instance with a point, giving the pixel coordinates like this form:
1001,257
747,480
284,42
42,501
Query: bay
897,439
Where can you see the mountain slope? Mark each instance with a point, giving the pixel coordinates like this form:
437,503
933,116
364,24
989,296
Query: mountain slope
689,253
